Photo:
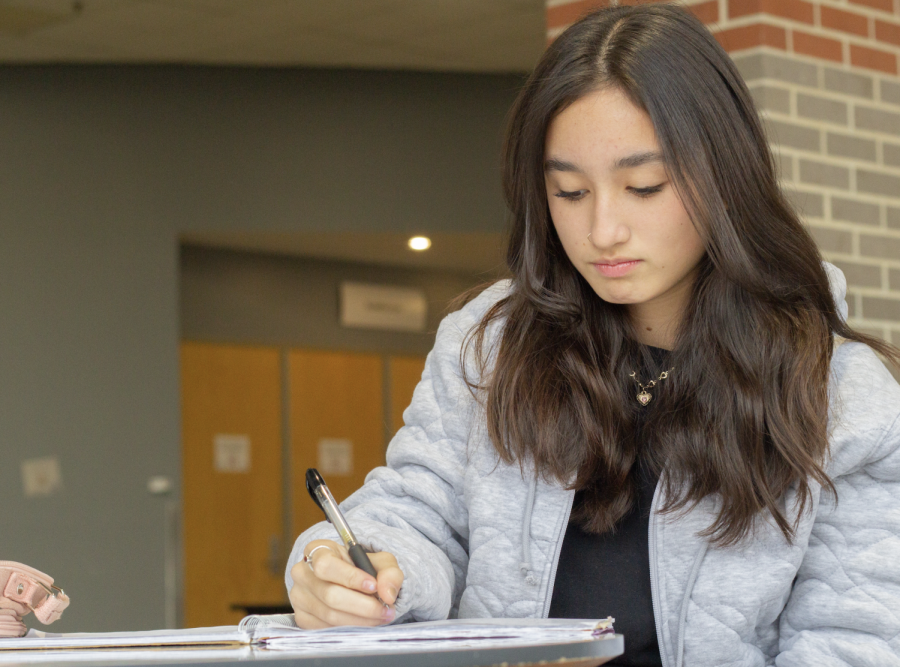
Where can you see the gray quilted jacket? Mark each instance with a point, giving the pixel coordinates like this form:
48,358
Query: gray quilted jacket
476,538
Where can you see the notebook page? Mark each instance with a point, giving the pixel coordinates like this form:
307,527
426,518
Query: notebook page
434,635
225,635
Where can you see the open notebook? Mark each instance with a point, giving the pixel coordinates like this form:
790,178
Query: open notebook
278,632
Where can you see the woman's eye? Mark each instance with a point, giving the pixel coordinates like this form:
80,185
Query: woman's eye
572,196
647,192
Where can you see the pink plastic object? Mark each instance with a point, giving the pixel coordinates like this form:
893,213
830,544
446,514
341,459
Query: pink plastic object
23,590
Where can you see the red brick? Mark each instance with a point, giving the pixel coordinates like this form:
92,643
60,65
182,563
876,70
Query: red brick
796,10
708,12
758,34
838,19
887,32
818,47
564,15
883,61
883,5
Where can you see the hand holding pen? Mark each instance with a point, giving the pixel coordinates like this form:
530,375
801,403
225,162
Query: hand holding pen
339,584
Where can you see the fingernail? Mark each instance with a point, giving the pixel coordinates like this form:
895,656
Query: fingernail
393,593
369,585
388,614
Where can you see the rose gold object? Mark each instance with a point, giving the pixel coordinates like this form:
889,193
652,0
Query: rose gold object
23,590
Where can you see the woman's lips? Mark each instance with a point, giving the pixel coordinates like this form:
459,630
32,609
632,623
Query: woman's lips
616,269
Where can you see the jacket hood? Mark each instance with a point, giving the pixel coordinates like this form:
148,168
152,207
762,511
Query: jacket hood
838,284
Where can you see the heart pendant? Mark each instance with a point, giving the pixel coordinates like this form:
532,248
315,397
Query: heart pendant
644,398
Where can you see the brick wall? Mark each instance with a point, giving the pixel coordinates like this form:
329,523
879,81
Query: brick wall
824,74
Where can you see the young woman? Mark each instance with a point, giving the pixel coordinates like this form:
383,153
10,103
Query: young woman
663,416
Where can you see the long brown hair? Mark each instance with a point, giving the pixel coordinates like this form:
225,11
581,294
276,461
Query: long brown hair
744,417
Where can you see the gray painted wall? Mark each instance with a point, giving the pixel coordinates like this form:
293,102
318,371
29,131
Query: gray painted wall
257,298
102,168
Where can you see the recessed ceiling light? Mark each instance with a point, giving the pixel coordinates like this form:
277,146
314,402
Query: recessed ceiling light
420,243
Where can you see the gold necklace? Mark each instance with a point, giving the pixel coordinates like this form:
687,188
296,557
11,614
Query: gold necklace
644,395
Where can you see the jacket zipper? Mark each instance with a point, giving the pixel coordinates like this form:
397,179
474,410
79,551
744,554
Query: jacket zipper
654,582
556,555
654,578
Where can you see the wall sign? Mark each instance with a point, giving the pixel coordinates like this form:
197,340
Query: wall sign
231,453
370,306
335,456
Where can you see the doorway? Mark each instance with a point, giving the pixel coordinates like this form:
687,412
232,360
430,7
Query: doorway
254,418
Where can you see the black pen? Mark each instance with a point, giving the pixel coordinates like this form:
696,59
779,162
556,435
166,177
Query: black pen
323,498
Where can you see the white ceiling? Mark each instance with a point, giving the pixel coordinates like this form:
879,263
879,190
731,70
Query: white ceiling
436,35
443,35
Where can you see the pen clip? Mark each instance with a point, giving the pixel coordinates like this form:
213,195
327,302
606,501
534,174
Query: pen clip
326,502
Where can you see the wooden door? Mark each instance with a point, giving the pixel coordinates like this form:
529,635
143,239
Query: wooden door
405,373
231,407
337,424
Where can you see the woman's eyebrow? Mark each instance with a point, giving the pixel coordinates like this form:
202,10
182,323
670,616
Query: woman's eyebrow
627,162
638,160
555,164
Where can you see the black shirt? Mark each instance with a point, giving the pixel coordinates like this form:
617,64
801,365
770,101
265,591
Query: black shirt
609,574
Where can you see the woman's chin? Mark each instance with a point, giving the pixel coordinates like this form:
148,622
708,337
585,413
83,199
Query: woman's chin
618,298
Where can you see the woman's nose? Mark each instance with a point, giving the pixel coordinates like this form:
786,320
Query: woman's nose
608,227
